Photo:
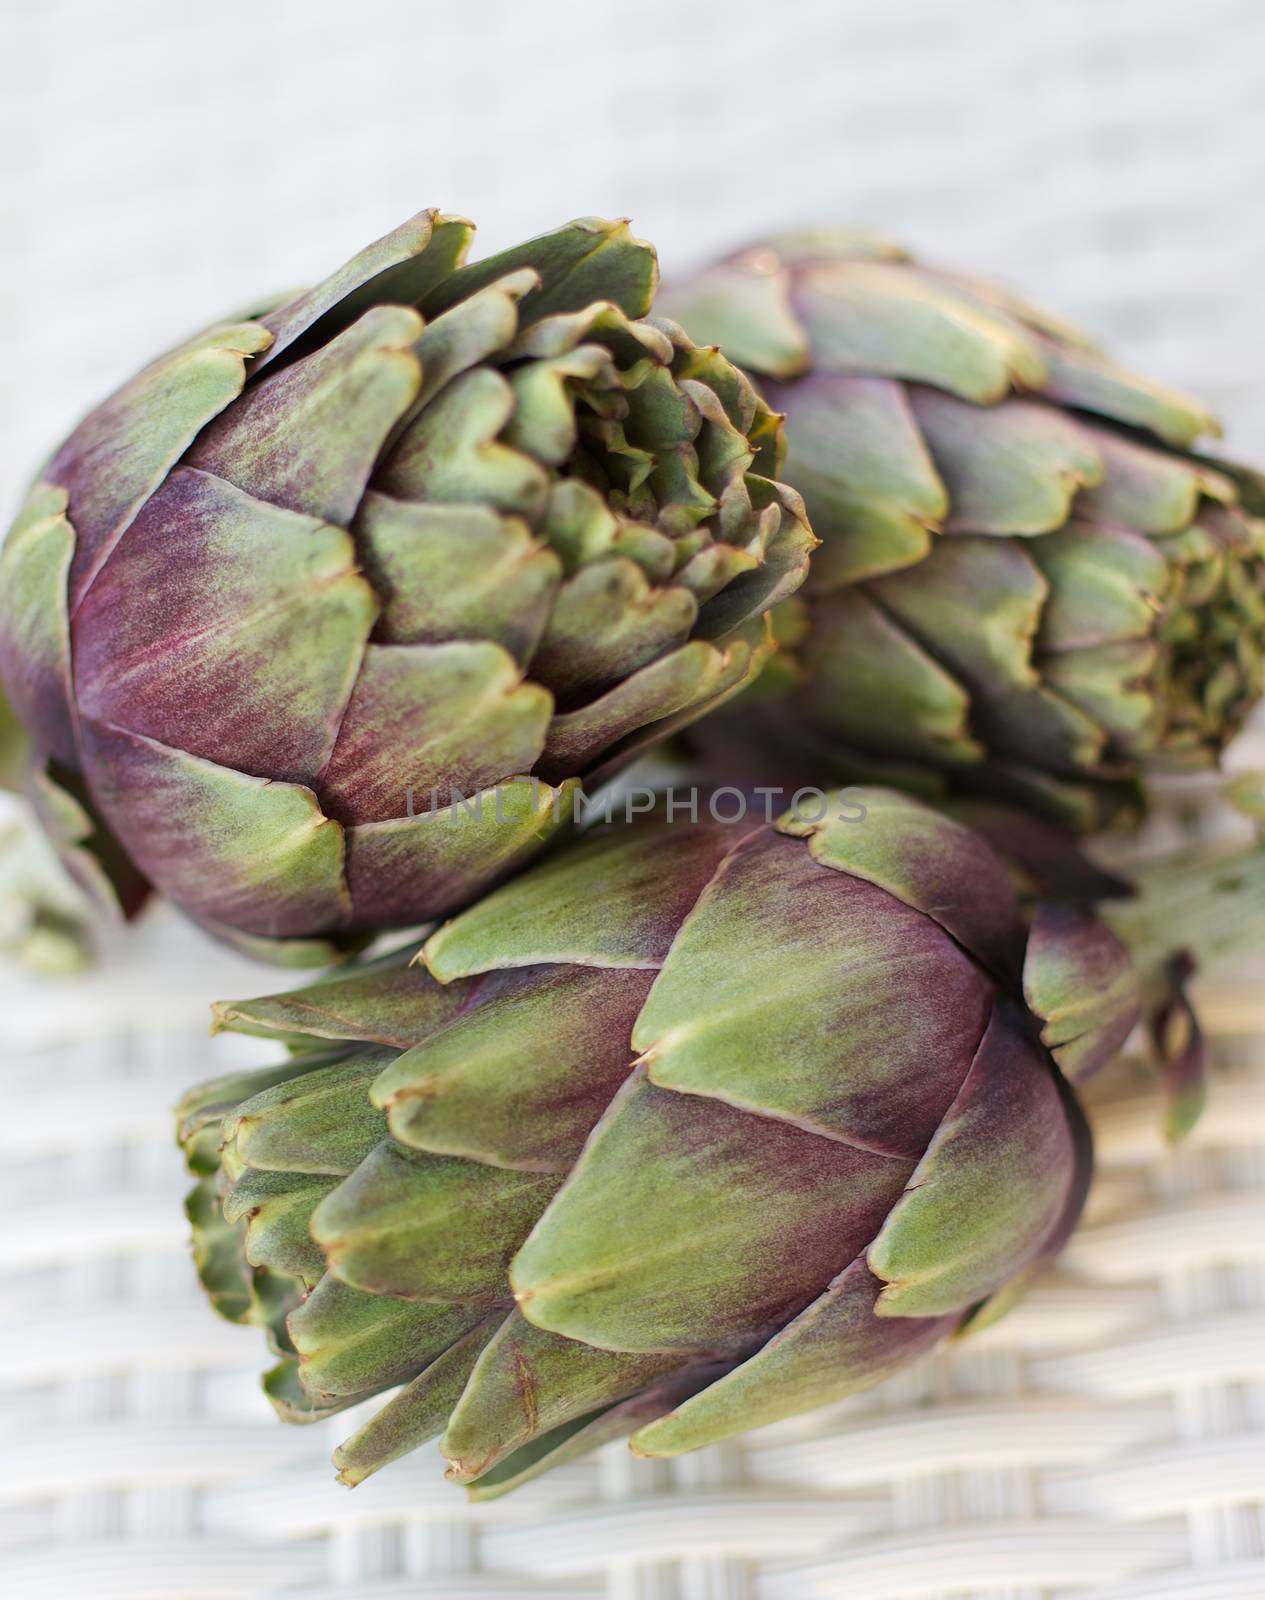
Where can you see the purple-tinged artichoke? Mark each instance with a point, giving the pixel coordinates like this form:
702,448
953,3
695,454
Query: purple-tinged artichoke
692,1127
1029,584
285,604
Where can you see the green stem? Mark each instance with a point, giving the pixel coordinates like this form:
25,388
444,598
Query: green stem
1209,906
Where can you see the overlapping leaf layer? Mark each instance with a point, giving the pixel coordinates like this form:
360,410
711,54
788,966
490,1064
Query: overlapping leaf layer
1030,583
687,1129
326,613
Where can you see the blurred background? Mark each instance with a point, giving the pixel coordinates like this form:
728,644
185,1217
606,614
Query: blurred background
162,164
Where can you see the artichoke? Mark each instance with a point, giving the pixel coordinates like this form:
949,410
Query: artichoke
323,615
1030,585
691,1127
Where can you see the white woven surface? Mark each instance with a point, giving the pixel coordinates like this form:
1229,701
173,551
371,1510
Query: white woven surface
160,163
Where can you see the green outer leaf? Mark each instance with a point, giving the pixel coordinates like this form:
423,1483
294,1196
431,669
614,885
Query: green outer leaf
398,269
236,1290
1083,379
428,1227
1012,468
527,1382
388,1001
924,858
35,620
298,955
260,622
14,747
608,622
1081,981
452,572
975,605
826,1020
438,860
519,1079
201,1110
122,451
1181,1052
308,437
743,305
688,1225
872,490
746,652
668,693
319,1121
577,1438
451,451
1146,489
872,684
277,1208
589,259
1115,685
350,1343
475,330
418,1413
837,1346
890,319
1106,585
269,861
1039,728
87,848
615,899
989,1190
443,719
290,1402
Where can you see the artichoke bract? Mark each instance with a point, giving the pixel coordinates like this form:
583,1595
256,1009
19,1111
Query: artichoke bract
1030,584
45,922
325,613
689,1128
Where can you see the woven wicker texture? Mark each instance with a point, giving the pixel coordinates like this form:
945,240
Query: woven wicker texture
160,163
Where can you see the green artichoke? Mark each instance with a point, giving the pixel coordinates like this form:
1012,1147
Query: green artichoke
324,614
1029,585
691,1127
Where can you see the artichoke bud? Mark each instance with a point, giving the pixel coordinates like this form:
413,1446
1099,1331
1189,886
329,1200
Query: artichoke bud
689,1128
324,615
1030,586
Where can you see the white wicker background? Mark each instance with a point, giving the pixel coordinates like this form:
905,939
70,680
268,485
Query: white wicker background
160,163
